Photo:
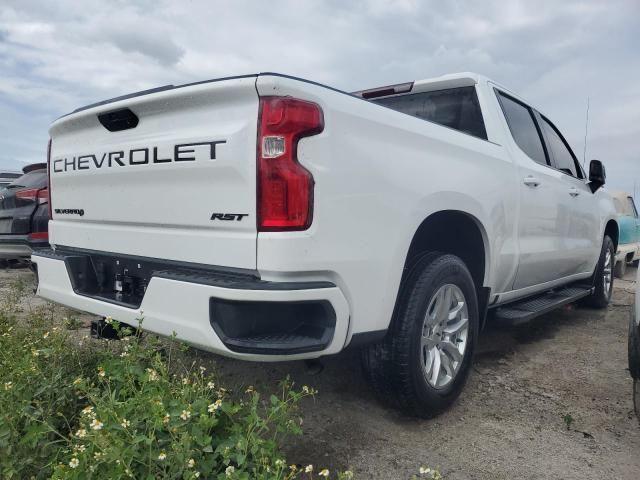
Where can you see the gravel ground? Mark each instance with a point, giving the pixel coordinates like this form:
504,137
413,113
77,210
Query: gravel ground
509,422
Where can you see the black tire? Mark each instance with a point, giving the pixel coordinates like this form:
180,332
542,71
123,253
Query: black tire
601,295
634,360
394,366
634,347
620,269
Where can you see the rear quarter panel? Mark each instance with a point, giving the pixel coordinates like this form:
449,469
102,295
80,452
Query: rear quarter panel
378,174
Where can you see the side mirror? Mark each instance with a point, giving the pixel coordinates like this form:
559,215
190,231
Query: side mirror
597,175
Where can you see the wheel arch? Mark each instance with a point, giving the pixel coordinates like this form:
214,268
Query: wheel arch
613,230
456,232
459,233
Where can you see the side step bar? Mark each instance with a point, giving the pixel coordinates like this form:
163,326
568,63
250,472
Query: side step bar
522,311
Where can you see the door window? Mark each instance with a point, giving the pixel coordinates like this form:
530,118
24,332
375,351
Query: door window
560,153
523,128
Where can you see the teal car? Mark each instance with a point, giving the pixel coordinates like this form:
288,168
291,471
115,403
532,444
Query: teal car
629,225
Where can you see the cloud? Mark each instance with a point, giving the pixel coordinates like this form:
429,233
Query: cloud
56,56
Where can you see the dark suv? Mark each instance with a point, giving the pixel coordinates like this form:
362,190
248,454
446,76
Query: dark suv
24,214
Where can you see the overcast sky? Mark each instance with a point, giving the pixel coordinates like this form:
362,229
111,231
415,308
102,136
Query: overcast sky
57,56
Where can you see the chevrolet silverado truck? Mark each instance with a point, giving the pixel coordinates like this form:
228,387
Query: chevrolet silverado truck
265,217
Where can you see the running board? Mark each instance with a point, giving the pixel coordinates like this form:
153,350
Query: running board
523,311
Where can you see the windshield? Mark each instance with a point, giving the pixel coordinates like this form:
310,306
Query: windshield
35,179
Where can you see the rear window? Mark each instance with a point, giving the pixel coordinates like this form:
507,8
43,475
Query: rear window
35,179
456,108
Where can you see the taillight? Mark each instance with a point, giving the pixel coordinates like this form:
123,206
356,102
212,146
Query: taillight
32,195
39,236
49,176
285,188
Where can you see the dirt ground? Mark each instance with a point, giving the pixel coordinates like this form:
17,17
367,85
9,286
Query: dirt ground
509,422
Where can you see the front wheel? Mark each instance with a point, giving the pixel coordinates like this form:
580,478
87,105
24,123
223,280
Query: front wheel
603,276
423,363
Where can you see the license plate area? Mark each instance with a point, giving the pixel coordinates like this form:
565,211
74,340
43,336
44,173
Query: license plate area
117,280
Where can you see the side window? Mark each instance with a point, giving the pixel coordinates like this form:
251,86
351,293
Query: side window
559,151
456,108
523,128
632,207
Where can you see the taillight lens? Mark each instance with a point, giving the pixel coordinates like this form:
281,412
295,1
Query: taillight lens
32,195
285,188
49,175
39,236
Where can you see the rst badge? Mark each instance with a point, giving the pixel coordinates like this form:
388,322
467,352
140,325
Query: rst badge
226,217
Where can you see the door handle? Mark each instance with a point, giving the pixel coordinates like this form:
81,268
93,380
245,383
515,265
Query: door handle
574,192
531,181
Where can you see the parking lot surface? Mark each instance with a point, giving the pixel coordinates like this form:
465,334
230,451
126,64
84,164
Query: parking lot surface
569,366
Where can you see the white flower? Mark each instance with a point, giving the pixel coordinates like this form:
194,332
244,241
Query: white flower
8,385
124,354
74,462
214,406
166,418
229,470
125,423
185,415
424,470
101,372
196,475
46,335
81,433
323,473
203,369
191,463
211,385
308,469
108,320
96,424
153,375
280,463
162,456
185,381
88,411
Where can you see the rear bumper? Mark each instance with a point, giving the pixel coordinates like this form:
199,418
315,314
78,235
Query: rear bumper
235,316
19,246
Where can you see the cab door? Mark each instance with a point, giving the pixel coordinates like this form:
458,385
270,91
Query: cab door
583,241
543,222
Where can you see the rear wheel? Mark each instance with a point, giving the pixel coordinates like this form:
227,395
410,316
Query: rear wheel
603,276
423,363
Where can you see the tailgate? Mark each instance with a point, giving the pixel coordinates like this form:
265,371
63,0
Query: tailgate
178,185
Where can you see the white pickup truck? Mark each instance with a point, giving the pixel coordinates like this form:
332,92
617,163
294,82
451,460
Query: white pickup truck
266,217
